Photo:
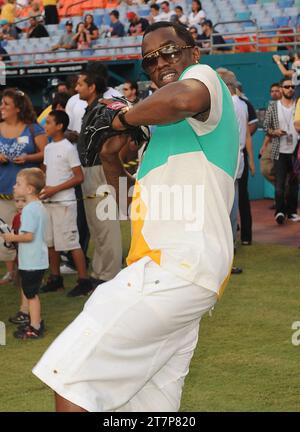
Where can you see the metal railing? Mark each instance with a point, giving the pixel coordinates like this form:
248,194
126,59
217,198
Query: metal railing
27,19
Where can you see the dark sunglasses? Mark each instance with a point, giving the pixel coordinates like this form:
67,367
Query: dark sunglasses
288,87
170,53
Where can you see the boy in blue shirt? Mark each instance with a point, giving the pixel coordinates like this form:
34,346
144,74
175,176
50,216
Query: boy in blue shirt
32,251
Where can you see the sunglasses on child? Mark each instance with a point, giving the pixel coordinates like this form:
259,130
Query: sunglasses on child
170,53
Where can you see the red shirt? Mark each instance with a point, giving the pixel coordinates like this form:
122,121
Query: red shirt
16,223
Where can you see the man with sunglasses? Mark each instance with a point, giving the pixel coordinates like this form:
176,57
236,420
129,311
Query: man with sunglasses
130,348
279,125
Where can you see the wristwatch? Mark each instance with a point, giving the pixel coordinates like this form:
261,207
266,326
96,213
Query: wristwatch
121,117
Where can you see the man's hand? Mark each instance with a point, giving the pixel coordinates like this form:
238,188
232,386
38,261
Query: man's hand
278,133
48,192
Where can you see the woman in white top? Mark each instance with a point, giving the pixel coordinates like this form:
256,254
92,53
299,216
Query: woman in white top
197,15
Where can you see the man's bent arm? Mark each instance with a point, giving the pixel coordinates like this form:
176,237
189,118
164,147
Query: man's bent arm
172,103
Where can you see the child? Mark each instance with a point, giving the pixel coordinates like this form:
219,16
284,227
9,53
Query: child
63,172
32,253
22,316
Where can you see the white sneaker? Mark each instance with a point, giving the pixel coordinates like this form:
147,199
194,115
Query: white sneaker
279,217
64,269
7,278
294,217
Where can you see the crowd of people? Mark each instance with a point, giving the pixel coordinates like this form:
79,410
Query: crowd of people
41,14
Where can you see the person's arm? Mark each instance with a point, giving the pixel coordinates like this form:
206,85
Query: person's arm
40,142
25,237
88,37
264,145
78,177
269,124
58,45
249,149
95,34
172,103
253,127
287,73
3,158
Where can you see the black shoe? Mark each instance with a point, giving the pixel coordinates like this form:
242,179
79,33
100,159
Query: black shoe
54,283
236,270
20,318
42,326
29,332
95,282
84,287
280,217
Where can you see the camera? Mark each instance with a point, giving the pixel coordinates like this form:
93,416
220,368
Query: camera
285,59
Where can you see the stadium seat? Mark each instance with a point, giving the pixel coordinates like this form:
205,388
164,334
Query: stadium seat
281,21
243,15
285,3
244,48
98,20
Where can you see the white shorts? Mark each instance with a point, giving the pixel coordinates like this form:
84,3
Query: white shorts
62,232
7,213
131,346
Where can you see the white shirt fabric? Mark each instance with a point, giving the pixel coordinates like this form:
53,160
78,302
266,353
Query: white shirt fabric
166,16
75,108
60,157
209,78
286,123
183,19
195,19
241,111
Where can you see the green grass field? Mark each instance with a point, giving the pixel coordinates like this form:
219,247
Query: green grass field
244,361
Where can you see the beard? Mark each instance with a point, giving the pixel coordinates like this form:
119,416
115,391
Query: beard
289,97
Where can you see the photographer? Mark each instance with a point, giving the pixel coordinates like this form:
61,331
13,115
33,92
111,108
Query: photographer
293,73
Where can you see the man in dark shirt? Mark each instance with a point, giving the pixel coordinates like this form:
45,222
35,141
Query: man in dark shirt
106,235
137,25
207,31
117,28
36,30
